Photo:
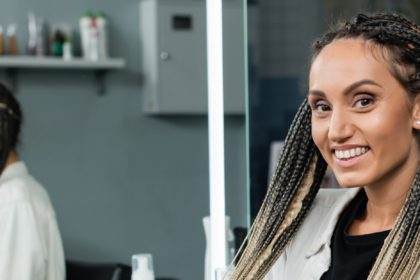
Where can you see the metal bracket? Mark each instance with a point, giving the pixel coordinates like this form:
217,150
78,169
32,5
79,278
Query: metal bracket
100,82
11,76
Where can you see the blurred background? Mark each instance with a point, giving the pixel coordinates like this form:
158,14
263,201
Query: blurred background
114,100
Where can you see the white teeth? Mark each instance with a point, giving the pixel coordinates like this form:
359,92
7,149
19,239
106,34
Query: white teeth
345,154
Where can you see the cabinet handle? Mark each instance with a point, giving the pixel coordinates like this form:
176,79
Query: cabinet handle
164,55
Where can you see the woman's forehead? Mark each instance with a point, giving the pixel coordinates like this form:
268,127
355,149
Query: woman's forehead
347,60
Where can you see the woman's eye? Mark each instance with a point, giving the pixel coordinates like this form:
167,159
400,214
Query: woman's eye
321,107
364,102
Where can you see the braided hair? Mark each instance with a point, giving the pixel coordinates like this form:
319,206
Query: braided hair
10,124
300,169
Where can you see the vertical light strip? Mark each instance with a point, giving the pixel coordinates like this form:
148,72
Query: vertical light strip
247,115
216,135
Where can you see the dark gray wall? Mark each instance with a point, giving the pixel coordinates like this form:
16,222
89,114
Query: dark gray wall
121,182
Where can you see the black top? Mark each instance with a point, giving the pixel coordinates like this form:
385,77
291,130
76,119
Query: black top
352,256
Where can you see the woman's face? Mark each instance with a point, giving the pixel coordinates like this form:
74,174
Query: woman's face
362,121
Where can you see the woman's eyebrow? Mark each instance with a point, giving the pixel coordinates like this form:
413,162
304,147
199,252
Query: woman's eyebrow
348,89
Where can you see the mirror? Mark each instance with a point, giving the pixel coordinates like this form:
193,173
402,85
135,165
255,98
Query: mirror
279,37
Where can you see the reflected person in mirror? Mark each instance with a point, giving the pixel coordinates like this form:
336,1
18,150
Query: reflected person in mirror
361,118
30,242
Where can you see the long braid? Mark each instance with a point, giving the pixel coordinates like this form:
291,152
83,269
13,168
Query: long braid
400,253
289,155
283,210
300,169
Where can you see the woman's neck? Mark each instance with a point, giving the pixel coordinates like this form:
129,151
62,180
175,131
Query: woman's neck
12,158
387,196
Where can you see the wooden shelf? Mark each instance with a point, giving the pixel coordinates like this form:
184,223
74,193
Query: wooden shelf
20,62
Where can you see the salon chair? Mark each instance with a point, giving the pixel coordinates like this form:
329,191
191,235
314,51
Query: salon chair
77,270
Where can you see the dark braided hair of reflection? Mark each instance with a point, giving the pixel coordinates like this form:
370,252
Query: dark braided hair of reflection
10,124
301,167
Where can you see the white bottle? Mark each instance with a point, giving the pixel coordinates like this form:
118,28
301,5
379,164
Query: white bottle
93,46
101,24
84,26
142,267
67,51
229,238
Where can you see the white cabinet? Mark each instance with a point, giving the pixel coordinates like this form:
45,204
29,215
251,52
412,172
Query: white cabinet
173,55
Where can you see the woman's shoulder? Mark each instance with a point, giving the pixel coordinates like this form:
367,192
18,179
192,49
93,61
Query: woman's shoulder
325,207
319,221
321,210
18,186
328,197
318,224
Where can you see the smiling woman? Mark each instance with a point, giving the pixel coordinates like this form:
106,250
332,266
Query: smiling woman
361,118
362,107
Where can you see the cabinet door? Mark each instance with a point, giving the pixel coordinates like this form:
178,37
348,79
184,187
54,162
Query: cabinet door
182,61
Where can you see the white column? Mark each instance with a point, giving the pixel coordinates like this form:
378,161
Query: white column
216,135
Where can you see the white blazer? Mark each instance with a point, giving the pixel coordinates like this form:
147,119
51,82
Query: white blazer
30,242
308,254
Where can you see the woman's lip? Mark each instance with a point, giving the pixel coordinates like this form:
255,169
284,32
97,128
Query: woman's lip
350,162
347,147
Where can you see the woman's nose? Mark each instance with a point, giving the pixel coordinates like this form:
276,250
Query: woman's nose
340,127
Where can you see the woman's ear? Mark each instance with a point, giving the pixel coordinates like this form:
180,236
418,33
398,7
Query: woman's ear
416,113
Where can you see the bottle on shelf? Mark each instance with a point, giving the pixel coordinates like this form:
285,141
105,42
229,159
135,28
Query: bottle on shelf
101,24
36,39
12,46
67,51
93,33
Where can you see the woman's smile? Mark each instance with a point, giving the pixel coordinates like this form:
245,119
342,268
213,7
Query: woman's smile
350,157
361,117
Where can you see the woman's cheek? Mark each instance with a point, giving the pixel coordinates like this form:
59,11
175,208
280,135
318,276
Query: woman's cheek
385,128
320,136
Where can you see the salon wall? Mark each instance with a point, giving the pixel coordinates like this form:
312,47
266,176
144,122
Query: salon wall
121,182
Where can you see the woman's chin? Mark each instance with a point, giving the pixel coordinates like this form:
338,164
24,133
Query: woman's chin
349,186
347,181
